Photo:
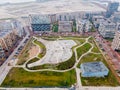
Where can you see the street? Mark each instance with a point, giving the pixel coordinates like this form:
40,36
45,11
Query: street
5,68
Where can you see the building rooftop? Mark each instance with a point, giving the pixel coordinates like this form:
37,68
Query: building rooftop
92,67
82,21
40,19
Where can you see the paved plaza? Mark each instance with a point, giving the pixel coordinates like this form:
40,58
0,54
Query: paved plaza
56,52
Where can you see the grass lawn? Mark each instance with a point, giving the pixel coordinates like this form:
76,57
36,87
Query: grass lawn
33,60
42,47
109,80
93,29
79,41
83,49
55,27
74,26
73,37
18,77
95,49
50,38
90,58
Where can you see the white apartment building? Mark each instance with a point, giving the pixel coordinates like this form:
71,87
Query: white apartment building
97,20
83,26
116,41
107,29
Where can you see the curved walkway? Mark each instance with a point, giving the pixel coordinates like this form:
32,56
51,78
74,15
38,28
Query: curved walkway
79,85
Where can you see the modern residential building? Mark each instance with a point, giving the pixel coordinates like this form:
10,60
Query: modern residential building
40,23
112,7
83,26
107,29
9,35
94,69
65,26
115,17
116,41
53,18
18,27
97,20
2,54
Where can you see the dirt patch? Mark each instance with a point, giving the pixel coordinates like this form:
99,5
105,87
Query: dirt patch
34,51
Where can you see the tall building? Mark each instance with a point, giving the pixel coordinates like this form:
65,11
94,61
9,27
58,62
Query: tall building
97,20
65,26
83,26
9,33
112,7
18,27
40,23
116,41
107,29
116,17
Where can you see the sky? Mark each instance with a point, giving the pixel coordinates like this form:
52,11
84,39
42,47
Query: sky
17,1
14,1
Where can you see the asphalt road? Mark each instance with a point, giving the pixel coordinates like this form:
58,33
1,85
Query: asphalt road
4,69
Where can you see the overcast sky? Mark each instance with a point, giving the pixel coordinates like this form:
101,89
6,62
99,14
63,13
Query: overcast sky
14,1
17,1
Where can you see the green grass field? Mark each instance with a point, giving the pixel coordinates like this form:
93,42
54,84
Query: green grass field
55,27
95,49
42,47
109,80
18,77
83,49
33,60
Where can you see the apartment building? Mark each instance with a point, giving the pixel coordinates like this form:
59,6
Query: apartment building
116,41
83,25
65,26
97,20
40,23
112,7
107,29
9,35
